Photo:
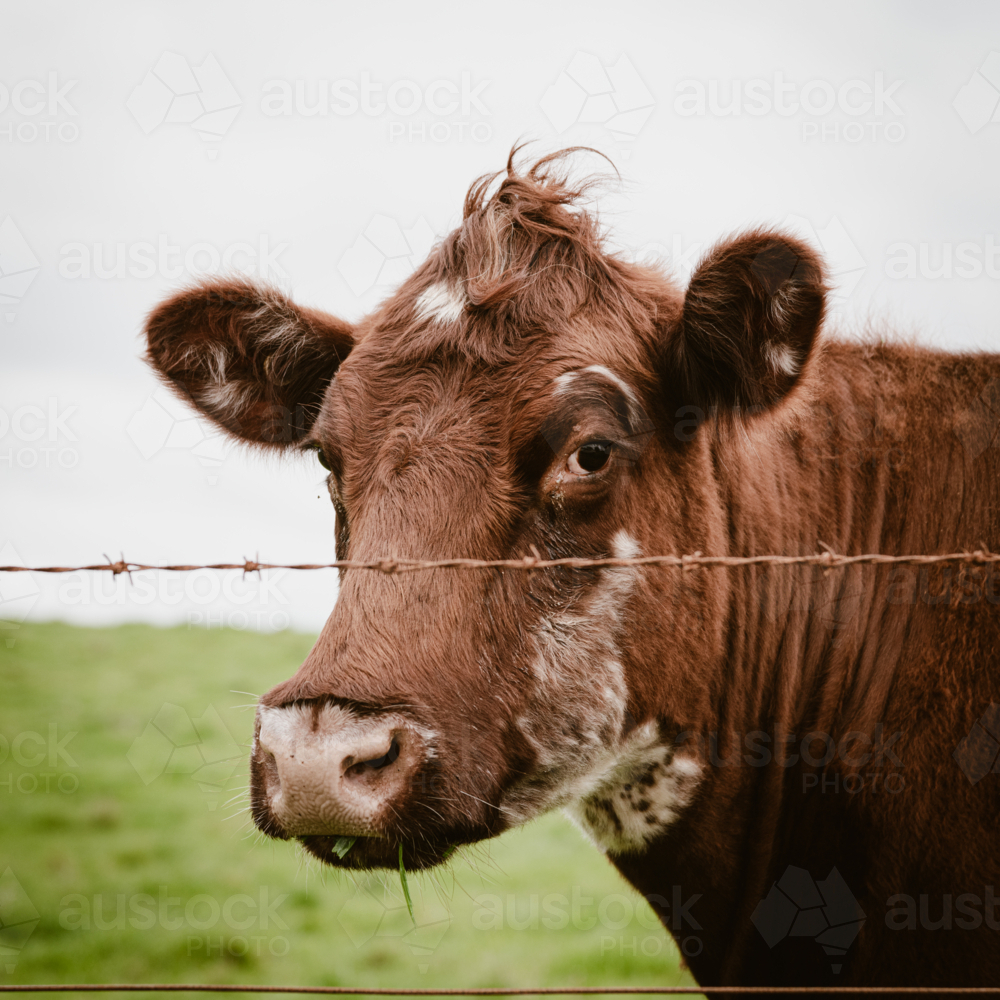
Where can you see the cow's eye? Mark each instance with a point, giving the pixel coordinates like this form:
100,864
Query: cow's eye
322,459
590,457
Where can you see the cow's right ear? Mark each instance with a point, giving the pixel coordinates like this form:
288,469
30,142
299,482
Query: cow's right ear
247,357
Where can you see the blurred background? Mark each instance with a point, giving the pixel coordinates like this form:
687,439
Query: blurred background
324,147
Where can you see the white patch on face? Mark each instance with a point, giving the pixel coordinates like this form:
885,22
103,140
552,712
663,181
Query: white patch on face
564,381
781,358
441,303
577,727
624,546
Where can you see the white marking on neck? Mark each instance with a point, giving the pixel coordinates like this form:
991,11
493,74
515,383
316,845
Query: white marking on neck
624,545
623,790
441,303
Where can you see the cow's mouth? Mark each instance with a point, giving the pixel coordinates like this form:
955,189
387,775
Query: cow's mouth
376,852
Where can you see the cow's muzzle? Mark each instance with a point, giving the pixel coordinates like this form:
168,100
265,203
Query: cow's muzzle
319,768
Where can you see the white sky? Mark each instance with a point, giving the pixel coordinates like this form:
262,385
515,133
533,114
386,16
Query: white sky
99,166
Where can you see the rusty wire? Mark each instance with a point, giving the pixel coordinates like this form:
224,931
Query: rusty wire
828,559
504,991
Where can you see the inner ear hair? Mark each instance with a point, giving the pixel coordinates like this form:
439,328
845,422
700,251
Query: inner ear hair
247,357
750,318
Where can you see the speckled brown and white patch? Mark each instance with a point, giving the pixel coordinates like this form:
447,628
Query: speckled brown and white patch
579,708
578,728
646,792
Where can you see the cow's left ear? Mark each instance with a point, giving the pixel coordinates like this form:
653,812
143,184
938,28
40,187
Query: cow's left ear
247,357
750,317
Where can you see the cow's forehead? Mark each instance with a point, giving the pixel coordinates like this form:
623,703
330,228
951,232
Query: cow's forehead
374,392
449,334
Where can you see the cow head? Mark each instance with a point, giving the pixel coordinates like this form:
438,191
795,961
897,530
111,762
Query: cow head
522,392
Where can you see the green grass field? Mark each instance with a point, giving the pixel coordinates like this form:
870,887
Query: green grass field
126,852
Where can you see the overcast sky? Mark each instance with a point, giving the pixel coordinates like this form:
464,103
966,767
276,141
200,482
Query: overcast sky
326,145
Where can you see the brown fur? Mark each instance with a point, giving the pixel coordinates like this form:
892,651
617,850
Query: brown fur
746,435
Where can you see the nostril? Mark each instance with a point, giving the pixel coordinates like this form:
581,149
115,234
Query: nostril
376,763
269,768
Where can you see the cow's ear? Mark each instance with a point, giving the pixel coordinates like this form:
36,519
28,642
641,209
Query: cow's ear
750,317
247,357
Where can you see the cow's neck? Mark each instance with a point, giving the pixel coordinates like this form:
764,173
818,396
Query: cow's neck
794,653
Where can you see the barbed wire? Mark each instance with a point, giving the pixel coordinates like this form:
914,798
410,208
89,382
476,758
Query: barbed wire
827,559
503,991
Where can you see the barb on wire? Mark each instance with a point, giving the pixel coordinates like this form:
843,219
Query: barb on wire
390,565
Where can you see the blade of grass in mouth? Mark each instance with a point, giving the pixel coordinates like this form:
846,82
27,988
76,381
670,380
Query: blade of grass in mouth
406,888
342,845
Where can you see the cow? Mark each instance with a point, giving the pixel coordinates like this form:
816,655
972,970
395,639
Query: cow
791,763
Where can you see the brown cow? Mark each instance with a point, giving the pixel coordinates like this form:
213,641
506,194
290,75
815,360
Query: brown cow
766,754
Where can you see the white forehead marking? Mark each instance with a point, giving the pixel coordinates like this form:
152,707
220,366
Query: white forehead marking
781,358
564,381
441,303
